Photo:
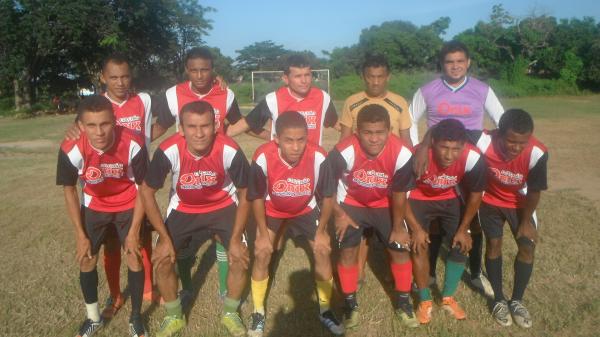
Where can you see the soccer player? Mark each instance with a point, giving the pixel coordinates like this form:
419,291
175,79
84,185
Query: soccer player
460,96
299,95
517,173
132,111
286,178
452,162
110,161
376,75
208,197
373,171
201,85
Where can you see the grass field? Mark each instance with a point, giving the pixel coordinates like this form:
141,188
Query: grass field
40,295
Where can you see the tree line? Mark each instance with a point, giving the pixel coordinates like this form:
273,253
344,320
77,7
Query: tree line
54,47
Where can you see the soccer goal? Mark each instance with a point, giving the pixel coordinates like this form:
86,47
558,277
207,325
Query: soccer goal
263,82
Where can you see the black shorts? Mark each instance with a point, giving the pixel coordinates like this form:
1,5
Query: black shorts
492,220
304,225
191,228
98,224
380,219
446,212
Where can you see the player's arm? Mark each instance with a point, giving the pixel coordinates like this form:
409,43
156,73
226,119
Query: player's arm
420,238
536,182
238,171
417,109
402,182
331,116
253,123
257,190
164,116
493,107
139,165
336,163
345,121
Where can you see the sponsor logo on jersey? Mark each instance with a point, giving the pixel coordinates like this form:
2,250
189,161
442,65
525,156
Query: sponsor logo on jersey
197,180
443,181
131,122
445,108
292,187
95,175
370,178
311,118
507,177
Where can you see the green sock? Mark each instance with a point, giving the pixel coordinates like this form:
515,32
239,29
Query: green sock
184,269
424,294
454,271
222,267
174,308
230,305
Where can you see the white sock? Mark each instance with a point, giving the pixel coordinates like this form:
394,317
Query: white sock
93,311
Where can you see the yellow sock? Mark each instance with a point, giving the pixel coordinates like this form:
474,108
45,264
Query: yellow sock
324,291
259,291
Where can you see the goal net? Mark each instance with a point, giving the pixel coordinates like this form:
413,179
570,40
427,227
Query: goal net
263,82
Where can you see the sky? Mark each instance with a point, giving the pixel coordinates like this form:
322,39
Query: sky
318,25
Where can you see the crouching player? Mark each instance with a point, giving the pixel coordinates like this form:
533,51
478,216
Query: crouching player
110,161
287,176
208,197
517,173
373,171
453,162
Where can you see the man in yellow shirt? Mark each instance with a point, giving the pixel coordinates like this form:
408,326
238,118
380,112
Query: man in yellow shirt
376,75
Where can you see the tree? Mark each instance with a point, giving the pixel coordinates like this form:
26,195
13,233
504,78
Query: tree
265,55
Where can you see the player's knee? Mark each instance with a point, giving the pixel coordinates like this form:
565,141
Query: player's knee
262,255
322,252
526,249
456,256
134,262
87,264
399,257
349,256
494,247
164,267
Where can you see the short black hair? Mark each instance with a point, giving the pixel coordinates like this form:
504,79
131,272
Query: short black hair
199,53
449,130
198,107
116,58
372,113
517,120
375,61
297,61
453,47
94,103
288,120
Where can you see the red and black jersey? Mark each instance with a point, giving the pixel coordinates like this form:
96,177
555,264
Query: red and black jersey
369,182
222,100
108,177
135,113
289,191
509,180
440,183
199,184
317,108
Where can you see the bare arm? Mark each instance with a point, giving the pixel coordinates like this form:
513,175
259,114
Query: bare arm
84,247
345,132
157,131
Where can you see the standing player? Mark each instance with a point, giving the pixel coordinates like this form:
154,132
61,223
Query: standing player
200,86
373,171
376,75
286,178
209,173
452,162
462,97
517,173
299,95
110,161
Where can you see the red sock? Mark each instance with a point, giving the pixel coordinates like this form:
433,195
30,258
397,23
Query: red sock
147,262
348,278
402,275
112,267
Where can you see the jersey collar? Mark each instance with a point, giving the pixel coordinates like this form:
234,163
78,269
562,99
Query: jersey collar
200,96
457,88
101,152
115,102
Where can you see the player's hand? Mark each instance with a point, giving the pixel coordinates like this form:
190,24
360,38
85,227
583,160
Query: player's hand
132,245
463,240
164,250
401,236
84,249
262,244
238,253
220,81
322,242
526,229
72,132
342,221
421,161
420,241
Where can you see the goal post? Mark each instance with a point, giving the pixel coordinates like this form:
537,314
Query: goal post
266,81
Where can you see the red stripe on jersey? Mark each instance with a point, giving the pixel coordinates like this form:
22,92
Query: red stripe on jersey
216,97
134,114
200,184
108,184
508,179
290,189
367,182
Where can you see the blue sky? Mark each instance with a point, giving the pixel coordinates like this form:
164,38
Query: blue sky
324,24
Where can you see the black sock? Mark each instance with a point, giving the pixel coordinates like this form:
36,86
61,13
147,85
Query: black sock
89,285
350,300
434,251
135,279
401,298
494,271
522,275
475,255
